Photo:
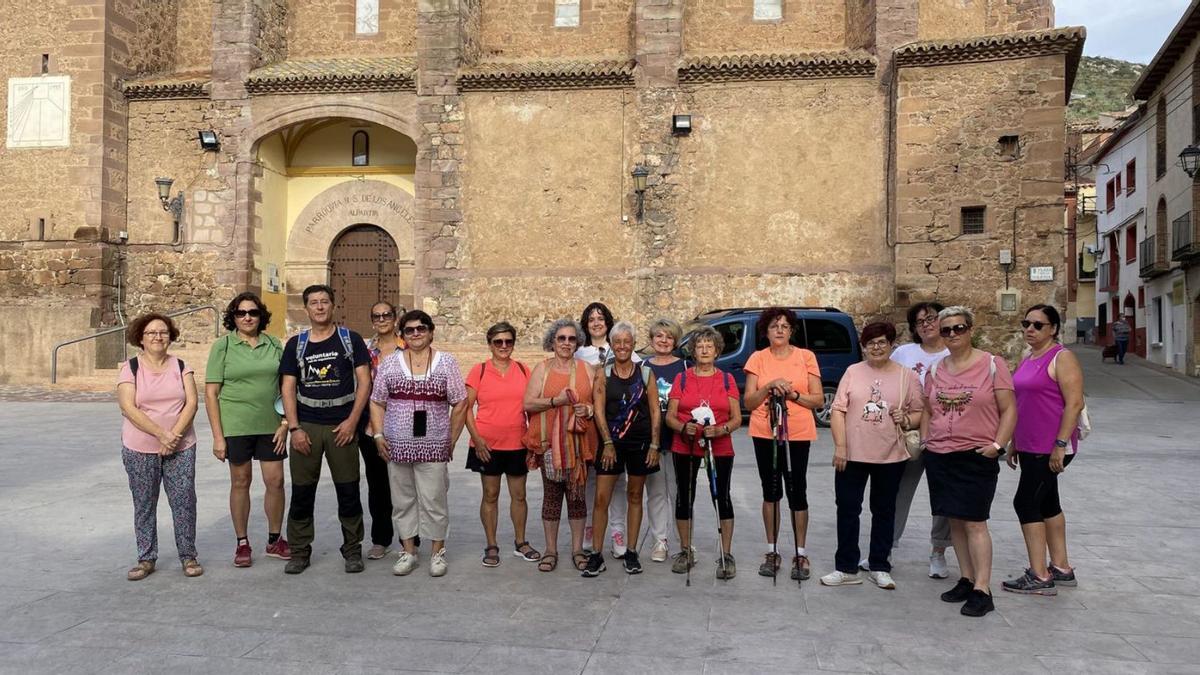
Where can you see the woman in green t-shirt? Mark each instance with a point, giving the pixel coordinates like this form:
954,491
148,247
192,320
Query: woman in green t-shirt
241,385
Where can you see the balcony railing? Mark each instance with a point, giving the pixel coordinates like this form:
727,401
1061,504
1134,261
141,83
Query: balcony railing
1151,261
1185,245
1105,280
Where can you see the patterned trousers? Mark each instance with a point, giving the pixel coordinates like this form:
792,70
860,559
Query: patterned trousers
177,474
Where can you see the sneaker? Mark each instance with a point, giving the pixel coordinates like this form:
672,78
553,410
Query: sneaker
279,549
632,565
801,568
405,563
1062,578
836,578
618,545
882,580
683,561
296,565
978,603
241,556
595,565
437,563
937,566
726,567
660,552
960,592
1029,584
770,565
864,565
377,552
354,563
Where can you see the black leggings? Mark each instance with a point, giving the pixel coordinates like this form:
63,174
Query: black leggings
1037,491
686,468
772,481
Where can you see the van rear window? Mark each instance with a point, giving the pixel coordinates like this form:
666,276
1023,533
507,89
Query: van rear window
826,336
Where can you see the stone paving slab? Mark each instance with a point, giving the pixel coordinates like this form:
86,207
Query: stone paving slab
65,607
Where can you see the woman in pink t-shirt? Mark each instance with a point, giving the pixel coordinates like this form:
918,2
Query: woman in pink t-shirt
873,398
969,418
157,395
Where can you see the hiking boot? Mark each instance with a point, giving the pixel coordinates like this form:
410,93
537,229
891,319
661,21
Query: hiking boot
437,563
726,567
683,561
770,565
618,545
836,578
354,563
660,552
595,565
1029,584
960,592
377,552
405,563
1063,578
296,565
883,580
978,603
801,568
632,564
279,549
241,556
937,566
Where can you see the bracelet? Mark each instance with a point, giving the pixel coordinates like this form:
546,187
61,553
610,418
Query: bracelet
608,443
377,436
654,446
292,430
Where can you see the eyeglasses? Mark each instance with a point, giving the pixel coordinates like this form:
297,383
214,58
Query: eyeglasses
384,316
566,338
252,313
503,342
956,329
416,330
878,344
1037,325
927,321
157,334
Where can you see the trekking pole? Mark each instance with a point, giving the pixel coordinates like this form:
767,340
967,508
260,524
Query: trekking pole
777,409
706,443
687,549
784,435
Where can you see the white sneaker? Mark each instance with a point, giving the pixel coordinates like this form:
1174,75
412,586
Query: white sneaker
660,552
405,563
618,545
864,565
437,564
840,579
882,580
937,566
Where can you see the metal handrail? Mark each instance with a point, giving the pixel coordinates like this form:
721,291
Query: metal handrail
122,328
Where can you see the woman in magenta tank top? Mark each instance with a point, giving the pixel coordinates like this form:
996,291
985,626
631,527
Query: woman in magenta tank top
1049,390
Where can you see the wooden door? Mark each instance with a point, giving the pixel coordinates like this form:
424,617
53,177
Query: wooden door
364,269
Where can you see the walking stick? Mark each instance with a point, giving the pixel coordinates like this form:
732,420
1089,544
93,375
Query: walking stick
706,443
687,549
782,437
777,410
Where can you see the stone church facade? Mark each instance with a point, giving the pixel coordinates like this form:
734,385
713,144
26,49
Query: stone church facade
476,158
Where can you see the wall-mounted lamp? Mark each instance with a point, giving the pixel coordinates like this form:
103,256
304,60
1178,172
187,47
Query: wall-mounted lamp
639,186
1189,159
209,140
172,206
681,125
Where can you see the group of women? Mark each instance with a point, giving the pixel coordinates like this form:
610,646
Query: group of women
628,436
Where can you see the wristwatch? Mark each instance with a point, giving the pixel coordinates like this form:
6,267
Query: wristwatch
377,436
292,430
998,448
1061,444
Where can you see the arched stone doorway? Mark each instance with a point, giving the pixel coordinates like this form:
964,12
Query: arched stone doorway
364,268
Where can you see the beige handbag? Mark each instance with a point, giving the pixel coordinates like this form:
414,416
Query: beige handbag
912,439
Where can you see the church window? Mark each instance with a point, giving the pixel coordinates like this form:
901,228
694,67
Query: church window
360,149
566,13
768,10
973,219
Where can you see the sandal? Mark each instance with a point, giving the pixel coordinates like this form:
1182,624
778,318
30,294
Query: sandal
580,559
548,563
143,569
524,551
192,568
491,556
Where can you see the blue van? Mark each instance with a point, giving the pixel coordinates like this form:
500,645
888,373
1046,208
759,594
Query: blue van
826,331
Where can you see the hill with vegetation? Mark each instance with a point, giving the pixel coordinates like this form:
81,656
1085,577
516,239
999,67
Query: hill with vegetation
1101,85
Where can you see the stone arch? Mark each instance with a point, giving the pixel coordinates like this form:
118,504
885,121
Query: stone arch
393,118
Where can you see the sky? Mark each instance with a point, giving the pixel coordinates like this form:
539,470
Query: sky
1130,30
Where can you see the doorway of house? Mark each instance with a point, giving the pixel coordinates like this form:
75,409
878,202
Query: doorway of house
364,269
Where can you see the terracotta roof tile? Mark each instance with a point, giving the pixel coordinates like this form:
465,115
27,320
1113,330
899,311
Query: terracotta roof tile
167,86
546,74
333,75
797,66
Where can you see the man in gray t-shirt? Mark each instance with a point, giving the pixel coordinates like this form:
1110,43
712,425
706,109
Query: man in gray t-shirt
1121,330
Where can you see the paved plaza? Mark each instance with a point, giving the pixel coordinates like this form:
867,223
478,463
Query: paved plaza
65,607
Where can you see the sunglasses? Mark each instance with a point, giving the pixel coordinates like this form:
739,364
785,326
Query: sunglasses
252,313
416,330
1037,325
384,316
566,338
503,342
956,329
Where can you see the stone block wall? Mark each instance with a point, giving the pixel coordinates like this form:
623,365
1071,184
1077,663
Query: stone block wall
728,26
193,35
325,29
162,142
270,38
524,29
148,29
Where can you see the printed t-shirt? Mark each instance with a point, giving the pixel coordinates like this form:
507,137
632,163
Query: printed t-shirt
402,394
665,378
914,357
377,353
161,396
965,414
714,391
499,404
249,379
867,396
329,374
798,365
627,406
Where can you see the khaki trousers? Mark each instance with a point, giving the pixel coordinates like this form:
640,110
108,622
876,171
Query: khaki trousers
419,499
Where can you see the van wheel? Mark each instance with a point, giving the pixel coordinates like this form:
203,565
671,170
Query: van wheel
822,413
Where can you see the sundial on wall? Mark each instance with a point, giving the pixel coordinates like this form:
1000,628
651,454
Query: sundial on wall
39,112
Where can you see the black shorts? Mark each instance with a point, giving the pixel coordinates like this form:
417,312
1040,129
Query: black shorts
631,459
961,484
502,462
242,449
